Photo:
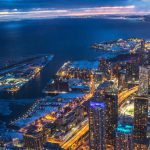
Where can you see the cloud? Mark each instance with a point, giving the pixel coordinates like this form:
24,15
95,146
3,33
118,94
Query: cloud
76,12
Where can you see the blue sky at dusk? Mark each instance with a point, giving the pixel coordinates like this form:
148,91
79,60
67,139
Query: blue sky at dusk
29,4
38,9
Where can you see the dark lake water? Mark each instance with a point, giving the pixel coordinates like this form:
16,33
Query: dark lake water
67,39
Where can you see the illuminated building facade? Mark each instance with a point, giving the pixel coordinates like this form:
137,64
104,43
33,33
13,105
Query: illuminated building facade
15,141
140,119
144,80
124,137
71,119
142,53
132,71
97,112
107,92
140,146
111,100
35,140
146,57
122,79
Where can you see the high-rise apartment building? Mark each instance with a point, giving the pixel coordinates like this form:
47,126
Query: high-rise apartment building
124,137
97,118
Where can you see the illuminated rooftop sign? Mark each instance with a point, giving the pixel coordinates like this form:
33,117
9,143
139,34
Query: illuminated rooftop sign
97,104
127,129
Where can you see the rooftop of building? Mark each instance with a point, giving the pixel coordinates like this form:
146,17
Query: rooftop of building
145,67
109,86
125,129
70,95
84,64
48,105
97,104
144,97
123,71
105,85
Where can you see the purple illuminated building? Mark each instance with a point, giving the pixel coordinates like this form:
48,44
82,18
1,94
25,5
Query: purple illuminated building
97,111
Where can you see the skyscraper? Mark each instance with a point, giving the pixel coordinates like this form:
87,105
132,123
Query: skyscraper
124,137
108,93
144,80
121,79
140,119
132,71
142,53
147,57
97,114
111,100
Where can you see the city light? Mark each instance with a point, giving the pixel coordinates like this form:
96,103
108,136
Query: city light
94,94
